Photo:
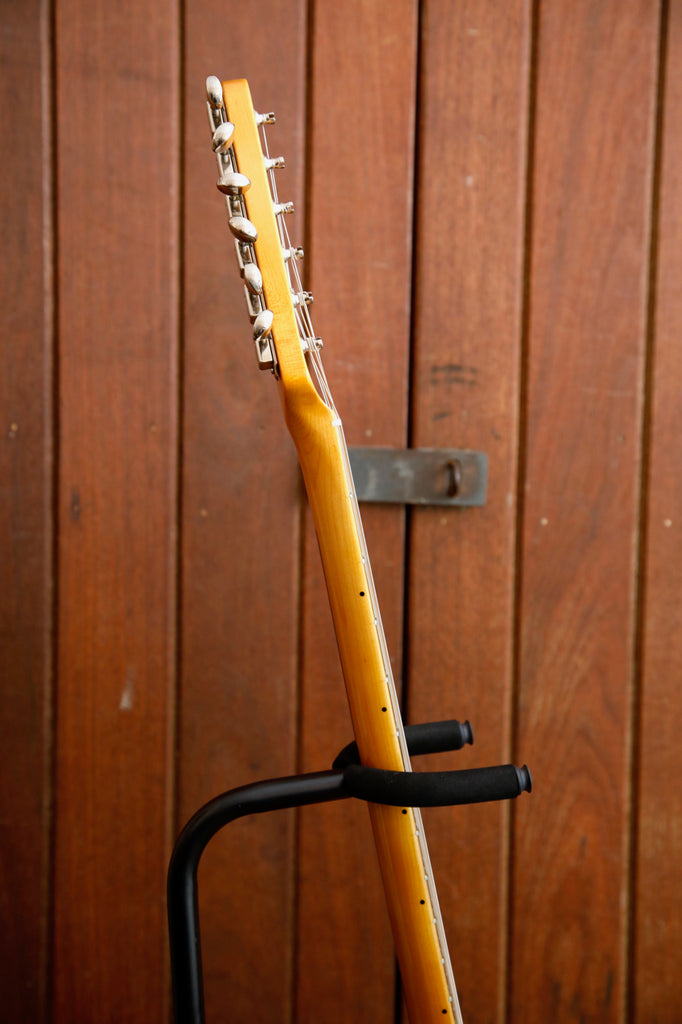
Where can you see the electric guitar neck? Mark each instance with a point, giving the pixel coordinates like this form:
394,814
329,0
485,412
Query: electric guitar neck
285,343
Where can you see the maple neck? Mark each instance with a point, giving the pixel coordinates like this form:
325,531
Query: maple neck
426,973
286,344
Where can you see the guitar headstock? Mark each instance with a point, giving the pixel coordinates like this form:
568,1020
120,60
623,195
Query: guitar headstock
276,302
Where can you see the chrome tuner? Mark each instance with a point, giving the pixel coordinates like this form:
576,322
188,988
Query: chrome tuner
233,184
214,92
243,229
222,137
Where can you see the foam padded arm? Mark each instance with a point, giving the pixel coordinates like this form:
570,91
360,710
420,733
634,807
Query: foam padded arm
436,789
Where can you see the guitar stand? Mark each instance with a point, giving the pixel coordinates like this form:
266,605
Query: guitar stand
347,778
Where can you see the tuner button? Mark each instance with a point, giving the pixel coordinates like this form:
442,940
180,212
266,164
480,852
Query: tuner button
262,325
214,92
222,137
243,229
253,279
233,184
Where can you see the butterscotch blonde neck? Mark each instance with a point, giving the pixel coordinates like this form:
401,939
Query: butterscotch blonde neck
403,857
428,983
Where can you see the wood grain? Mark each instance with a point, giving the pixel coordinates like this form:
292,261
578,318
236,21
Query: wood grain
657,926
240,541
26,523
592,176
360,184
469,291
294,915
117,114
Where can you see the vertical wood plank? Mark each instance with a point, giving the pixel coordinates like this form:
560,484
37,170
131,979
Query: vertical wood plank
26,454
596,77
241,512
469,293
657,922
360,196
117,69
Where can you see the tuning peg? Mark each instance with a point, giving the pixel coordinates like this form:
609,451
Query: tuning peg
265,118
214,92
283,208
254,304
311,344
273,162
302,298
253,279
296,253
243,229
262,325
222,137
233,184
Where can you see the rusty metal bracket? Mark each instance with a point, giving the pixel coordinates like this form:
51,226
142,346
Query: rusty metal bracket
420,476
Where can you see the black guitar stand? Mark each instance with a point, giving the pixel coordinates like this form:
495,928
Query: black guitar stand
347,778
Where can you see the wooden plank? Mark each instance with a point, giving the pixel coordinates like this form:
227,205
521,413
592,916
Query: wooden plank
657,925
241,531
26,607
592,174
469,292
359,238
117,109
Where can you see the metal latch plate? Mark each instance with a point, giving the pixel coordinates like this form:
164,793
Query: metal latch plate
420,476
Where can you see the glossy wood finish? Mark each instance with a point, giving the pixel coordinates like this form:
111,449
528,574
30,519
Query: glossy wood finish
654,959
468,321
589,274
117,282
240,531
531,149
26,519
359,239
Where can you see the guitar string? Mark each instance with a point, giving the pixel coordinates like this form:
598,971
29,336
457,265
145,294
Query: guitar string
315,362
301,312
315,359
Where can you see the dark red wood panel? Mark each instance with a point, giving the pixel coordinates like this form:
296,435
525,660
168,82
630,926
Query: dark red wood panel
657,923
577,257
469,292
26,365
241,511
360,206
591,181
117,180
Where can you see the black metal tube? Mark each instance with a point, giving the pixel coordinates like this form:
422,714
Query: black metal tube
183,910
409,789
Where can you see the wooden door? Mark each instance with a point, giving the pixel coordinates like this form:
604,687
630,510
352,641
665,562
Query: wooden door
489,200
